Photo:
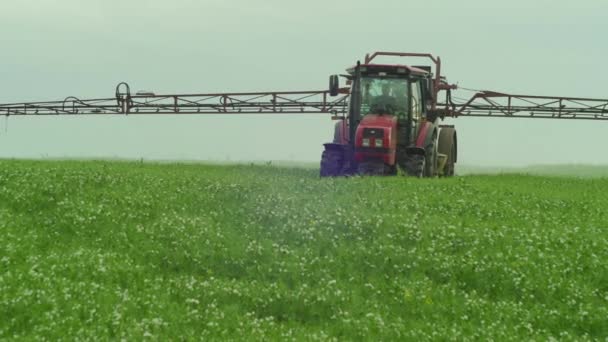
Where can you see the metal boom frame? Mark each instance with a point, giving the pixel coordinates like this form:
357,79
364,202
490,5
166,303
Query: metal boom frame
295,102
494,104
481,104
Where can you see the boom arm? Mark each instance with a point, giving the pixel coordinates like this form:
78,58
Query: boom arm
300,102
482,104
494,104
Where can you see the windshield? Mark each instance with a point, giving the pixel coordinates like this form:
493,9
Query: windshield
384,96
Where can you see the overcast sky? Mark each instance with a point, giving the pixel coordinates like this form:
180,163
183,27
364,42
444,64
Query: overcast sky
54,49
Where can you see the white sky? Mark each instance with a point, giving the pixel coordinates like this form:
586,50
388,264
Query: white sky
54,49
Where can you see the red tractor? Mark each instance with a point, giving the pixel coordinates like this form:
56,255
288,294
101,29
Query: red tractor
392,123
388,117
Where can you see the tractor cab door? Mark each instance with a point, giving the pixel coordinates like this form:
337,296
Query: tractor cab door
416,108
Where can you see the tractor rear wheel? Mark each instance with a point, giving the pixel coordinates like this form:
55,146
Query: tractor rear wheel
331,163
414,165
448,169
448,146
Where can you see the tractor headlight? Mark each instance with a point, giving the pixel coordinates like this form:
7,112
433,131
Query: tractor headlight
365,142
379,143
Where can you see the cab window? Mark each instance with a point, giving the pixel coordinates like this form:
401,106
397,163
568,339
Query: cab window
384,95
416,101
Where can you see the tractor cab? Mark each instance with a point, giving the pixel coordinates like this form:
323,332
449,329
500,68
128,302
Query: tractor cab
397,90
385,89
386,112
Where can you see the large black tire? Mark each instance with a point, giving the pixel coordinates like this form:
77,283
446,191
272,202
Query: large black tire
448,146
430,167
448,170
331,163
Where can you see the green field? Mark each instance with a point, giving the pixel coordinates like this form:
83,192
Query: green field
110,250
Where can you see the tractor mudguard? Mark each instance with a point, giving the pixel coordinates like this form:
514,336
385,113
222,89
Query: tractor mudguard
426,134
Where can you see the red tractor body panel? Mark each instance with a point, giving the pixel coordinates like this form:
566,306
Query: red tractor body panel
423,134
376,139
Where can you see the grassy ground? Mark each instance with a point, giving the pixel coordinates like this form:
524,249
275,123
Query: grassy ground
559,170
109,250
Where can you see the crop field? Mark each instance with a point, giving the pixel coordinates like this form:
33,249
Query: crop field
126,250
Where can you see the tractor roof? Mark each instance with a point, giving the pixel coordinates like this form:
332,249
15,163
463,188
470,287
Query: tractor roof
410,70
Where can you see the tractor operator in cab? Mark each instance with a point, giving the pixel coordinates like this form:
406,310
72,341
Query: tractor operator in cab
385,103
